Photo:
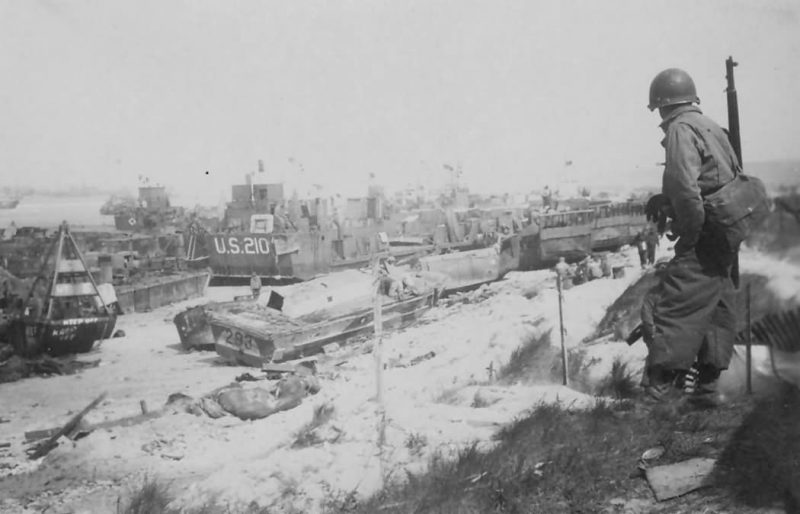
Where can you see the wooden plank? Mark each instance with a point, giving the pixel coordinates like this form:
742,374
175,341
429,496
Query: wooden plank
44,448
673,480
70,266
79,289
127,421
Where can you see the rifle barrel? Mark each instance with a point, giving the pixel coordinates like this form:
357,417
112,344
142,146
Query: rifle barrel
733,109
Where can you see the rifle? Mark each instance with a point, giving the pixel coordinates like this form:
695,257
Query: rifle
735,138
733,110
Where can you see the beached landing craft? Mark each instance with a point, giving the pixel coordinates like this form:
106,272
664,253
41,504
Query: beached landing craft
65,313
340,288
253,337
576,234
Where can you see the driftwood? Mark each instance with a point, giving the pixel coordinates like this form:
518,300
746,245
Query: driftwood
45,448
82,429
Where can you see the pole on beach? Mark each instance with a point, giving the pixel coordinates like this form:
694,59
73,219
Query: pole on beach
377,353
561,328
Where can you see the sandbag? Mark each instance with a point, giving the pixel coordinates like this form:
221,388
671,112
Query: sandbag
251,403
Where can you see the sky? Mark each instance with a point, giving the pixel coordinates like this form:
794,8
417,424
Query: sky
193,93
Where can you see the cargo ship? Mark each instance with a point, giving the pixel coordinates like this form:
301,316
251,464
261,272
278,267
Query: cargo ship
9,203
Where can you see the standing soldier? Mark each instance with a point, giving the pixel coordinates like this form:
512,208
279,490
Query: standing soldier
689,316
651,241
641,247
255,285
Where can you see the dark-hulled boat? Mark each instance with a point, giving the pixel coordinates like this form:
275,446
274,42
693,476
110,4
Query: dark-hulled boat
65,313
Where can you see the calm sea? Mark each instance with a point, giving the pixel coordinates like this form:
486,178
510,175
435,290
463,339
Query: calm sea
50,211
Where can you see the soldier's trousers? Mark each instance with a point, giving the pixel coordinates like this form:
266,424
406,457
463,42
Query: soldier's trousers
690,315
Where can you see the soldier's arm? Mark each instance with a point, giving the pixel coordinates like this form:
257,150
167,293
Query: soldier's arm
680,185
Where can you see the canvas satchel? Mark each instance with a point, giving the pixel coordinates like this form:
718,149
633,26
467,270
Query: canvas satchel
737,208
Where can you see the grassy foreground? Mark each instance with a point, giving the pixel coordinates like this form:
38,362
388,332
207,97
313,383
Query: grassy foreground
587,461
556,459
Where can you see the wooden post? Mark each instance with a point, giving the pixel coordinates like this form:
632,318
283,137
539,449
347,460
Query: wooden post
749,342
561,328
377,353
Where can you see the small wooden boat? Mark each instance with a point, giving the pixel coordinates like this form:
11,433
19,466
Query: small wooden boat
64,313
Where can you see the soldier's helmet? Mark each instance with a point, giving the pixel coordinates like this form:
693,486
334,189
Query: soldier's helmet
672,86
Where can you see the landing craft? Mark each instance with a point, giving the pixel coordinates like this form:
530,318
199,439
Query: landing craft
286,240
577,233
294,240
150,212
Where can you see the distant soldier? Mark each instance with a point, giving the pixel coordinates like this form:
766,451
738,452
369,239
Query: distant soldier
651,241
562,268
255,285
605,264
641,247
593,268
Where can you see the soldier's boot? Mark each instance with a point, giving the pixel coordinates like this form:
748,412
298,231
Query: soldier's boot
706,394
662,386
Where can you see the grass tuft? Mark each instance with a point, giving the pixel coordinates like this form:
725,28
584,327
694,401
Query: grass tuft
416,443
308,434
153,497
620,383
530,361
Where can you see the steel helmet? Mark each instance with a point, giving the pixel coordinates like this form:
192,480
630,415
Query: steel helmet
672,86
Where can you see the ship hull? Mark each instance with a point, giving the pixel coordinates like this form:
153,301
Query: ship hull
281,259
59,337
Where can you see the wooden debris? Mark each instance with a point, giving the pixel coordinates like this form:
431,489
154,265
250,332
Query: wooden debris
673,480
274,367
405,363
123,422
45,448
83,429
275,370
